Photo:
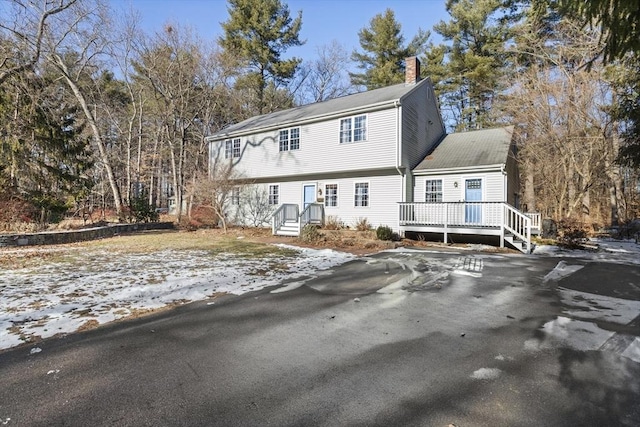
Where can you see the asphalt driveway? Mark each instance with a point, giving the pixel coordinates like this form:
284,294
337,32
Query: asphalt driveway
400,338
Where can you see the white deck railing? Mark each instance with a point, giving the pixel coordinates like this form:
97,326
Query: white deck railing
536,220
472,215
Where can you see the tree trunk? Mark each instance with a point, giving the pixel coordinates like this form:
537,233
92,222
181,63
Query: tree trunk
104,157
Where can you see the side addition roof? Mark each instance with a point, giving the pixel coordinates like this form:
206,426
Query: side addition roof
469,149
362,101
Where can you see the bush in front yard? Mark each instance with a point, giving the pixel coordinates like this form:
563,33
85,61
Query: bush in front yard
384,232
310,234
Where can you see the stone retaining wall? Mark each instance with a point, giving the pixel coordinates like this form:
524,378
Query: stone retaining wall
71,236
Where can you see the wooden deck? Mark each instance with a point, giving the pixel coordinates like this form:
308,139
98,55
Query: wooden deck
500,219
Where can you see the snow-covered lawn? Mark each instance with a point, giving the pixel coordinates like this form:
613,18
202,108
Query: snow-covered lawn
600,249
57,290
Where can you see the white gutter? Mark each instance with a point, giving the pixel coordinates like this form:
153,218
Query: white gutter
485,168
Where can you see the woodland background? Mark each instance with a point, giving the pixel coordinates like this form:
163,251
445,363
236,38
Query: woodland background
100,119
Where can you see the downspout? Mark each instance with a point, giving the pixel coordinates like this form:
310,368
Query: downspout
396,104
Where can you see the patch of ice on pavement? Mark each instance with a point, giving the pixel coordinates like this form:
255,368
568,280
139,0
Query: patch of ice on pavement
35,350
486,374
53,371
599,307
633,351
566,332
561,271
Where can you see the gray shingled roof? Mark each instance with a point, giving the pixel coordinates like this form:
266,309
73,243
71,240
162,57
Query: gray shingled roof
469,149
319,109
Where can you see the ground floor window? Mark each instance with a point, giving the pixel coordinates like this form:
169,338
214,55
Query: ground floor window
235,196
433,190
274,194
361,194
331,195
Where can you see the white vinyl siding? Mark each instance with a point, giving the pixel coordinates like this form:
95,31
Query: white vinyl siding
319,150
421,125
453,186
383,203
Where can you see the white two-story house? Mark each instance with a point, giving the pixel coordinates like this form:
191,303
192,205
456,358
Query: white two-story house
368,155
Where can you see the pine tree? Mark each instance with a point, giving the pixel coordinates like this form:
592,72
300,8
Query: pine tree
475,61
257,33
384,53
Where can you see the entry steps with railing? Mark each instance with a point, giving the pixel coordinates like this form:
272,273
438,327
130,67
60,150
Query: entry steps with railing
288,220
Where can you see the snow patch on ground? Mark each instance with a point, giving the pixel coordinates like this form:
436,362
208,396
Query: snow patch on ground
561,271
61,297
599,307
633,351
566,332
605,249
486,374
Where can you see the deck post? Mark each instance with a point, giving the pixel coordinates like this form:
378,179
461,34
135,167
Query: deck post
502,209
446,221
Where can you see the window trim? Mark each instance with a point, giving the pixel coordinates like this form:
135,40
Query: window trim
287,144
274,198
326,194
232,148
437,192
355,194
235,196
352,129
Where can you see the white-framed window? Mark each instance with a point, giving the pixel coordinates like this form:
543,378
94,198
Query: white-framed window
361,194
236,147
294,139
353,129
235,196
289,139
433,190
228,149
274,194
331,195
232,148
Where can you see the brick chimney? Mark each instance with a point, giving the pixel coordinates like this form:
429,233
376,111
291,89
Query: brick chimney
412,70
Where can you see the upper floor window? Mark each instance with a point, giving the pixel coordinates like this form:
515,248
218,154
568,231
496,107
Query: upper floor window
331,195
353,129
289,139
274,194
232,148
433,190
361,194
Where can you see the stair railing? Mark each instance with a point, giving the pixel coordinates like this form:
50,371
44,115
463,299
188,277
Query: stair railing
285,212
518,224
312,214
